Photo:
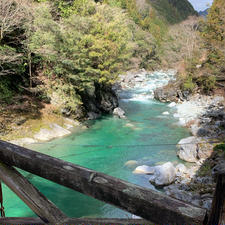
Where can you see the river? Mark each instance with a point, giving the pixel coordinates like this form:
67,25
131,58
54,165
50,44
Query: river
142,136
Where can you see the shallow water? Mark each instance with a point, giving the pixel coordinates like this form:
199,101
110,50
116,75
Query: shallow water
142,136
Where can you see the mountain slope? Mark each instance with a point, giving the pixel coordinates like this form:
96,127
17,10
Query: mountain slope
204,13
173,11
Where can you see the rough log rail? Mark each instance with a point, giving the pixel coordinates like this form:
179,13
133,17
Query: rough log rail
83,221
148,204
36,201
217,214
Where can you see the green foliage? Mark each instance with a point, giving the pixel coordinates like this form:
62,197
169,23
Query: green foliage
5,89
213,33
83,50
206,83
78,7
174,11
11,71
205,170
188,84
220,147
145,16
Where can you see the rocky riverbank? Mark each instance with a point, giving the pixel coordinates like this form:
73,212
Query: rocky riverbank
204,116
49,131
27,120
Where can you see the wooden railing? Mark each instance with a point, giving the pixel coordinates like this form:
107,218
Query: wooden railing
148,204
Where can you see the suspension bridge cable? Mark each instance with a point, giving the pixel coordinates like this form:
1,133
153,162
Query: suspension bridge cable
111,147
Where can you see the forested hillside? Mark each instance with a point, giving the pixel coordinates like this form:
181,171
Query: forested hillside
69,53
205,69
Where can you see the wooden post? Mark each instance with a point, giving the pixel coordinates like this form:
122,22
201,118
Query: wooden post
36,201
146,203
217,214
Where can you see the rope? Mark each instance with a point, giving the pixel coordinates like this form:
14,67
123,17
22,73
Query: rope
110,147
126,146
1,202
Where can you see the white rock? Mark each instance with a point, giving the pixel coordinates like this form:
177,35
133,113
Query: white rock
54,131
144,170
135,217
23,141
129,125
68,126
72,122
164,175
119,112
194,128
172,104
166,113
187,149
181,168
131,164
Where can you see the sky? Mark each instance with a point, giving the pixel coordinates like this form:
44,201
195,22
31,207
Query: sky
200,4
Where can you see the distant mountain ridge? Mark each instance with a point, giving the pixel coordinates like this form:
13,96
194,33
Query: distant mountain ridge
173,10
204,13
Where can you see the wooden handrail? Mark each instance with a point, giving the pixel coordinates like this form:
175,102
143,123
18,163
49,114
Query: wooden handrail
217,214
35,200
146,203
81,221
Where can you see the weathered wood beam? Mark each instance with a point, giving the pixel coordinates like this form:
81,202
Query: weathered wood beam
81,221
217,214
35,200
146,203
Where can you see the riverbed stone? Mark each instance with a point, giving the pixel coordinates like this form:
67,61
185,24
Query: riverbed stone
164,175
131,164
172,104
119,112
144,170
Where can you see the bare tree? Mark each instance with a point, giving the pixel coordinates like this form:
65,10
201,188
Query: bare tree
12,15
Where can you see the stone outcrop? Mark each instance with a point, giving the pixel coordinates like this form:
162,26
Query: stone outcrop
170,93
97,100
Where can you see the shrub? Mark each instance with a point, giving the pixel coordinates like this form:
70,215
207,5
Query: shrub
188,84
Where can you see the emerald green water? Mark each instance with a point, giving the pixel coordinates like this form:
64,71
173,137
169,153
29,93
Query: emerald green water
118,140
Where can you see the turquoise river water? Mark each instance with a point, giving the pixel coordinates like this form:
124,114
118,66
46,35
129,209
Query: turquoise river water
140,137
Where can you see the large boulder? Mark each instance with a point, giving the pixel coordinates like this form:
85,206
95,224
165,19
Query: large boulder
119,112
176,191
164,175
98,99
188,149
192,149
